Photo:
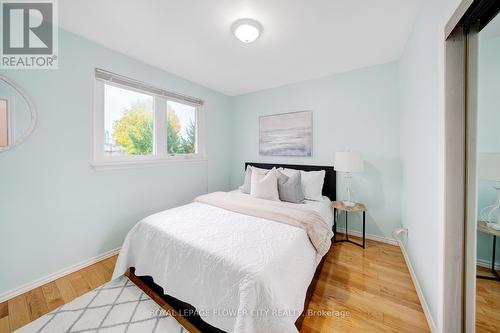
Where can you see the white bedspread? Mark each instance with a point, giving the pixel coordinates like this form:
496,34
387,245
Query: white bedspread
242,273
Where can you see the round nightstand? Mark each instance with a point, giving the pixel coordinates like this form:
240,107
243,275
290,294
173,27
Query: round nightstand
339,206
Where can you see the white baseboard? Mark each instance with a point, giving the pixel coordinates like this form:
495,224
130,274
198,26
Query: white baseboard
54,276
420,294
377,238
487,264
423,302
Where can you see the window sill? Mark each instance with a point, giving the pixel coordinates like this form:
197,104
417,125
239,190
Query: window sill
116,165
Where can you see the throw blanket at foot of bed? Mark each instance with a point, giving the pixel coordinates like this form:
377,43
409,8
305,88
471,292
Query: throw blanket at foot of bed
318,231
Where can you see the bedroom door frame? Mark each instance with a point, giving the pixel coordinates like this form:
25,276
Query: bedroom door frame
454,181
460,211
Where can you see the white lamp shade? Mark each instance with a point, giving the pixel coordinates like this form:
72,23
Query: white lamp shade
488,166
348,161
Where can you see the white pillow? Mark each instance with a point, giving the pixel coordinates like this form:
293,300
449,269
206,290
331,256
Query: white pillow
312,183
264,184
245,188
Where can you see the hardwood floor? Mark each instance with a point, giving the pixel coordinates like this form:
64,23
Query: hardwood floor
371,291
487,303
365,291
27,307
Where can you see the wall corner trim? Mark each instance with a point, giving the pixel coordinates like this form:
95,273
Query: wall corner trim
9,294
423,302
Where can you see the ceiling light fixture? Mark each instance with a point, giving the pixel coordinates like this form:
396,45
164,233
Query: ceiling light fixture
246,30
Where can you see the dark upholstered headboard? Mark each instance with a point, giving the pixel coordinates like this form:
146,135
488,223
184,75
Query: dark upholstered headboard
329,186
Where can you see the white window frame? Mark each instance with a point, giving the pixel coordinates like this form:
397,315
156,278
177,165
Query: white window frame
160,155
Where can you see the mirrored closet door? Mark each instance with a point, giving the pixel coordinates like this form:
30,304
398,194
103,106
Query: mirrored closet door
486,96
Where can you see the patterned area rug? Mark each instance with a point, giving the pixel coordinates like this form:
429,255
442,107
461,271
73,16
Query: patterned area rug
119,306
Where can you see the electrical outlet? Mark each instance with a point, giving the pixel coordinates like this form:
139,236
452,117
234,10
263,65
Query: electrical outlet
400,233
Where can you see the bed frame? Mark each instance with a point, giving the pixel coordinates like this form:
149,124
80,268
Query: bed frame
186,313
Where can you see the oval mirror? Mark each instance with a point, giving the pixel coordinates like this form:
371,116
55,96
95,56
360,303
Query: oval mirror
17,114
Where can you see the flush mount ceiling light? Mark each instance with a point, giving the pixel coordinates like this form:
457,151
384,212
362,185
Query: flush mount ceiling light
246,30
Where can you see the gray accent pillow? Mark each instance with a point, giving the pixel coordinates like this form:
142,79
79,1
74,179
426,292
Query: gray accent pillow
290,187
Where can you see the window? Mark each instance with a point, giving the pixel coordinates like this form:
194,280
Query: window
128,122
181,128
136,124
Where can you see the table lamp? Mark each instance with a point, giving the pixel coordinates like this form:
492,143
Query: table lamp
348,162
489,169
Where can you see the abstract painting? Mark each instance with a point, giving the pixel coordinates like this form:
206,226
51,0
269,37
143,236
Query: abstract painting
286,134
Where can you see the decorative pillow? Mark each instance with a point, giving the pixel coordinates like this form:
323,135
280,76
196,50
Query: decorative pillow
245,188
288,172
264,184
312,184
290,188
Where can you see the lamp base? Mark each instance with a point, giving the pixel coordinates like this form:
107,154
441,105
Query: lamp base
491,214
349,203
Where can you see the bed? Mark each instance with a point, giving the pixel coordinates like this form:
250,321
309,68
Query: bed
227,266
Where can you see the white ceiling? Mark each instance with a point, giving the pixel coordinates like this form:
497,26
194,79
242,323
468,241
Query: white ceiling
302,39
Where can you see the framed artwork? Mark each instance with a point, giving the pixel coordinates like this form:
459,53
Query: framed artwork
286,134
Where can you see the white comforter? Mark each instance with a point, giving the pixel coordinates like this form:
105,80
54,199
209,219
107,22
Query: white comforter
242,273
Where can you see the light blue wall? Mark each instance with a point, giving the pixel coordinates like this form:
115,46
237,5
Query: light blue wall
357,110
55,210
422,133
488,131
